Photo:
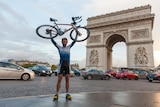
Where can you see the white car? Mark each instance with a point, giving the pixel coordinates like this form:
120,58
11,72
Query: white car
13,71
72,73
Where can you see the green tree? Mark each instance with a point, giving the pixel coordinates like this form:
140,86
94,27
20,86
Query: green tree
27,65
53,67
83,69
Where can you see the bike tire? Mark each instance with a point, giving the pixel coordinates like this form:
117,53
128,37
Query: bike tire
85,33
41,31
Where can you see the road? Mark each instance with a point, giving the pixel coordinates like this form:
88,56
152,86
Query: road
43,85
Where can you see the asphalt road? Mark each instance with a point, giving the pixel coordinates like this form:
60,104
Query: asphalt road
45,85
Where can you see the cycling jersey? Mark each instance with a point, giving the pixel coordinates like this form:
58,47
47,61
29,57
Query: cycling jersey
64,53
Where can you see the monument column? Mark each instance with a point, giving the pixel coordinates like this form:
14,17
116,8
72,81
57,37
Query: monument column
109,60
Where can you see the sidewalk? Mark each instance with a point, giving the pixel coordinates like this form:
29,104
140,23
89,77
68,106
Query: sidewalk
108,99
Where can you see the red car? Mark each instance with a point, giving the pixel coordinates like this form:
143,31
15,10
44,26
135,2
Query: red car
127,74
113,73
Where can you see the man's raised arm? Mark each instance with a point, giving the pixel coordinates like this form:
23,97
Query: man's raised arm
55,44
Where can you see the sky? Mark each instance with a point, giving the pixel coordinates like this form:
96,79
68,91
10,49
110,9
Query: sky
20,18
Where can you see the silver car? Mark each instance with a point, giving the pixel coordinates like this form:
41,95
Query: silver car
13,71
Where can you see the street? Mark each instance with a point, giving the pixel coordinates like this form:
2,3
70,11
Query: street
44,85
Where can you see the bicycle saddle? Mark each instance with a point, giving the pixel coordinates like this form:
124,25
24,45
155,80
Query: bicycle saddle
51,19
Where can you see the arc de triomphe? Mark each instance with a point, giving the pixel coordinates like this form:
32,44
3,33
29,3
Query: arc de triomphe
132,26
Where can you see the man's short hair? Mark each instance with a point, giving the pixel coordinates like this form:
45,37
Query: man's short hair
64,39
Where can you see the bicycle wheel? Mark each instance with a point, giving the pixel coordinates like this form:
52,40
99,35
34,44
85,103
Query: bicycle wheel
81,33
46,31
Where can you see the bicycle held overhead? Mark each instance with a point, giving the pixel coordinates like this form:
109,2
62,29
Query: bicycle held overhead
77,33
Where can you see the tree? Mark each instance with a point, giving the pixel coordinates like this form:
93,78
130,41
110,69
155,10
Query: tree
53,67
28,65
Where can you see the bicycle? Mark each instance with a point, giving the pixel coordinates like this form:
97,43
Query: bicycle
77,33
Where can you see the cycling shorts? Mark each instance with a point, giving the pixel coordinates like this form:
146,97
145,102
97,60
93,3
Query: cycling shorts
64,68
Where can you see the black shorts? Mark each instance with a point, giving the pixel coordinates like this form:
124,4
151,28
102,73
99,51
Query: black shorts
64,68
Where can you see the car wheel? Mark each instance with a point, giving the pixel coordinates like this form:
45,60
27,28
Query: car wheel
25,77
150,80
84,78
89,77
107,77
39,74
55,74
50,75
136,78
124,78
159,78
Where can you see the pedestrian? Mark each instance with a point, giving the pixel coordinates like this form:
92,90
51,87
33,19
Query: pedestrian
64,66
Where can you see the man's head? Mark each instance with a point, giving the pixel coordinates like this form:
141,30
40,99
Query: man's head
64,42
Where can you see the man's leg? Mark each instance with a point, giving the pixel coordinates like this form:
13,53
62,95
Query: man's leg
68,96
58,86
67,77
60,76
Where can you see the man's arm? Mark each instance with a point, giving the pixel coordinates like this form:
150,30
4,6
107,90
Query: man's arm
74,42
55,44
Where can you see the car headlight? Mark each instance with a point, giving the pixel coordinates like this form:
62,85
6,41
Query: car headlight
43,71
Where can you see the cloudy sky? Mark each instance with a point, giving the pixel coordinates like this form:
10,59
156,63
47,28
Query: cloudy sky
19,19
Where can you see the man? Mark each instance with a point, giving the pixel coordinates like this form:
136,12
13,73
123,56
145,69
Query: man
64,65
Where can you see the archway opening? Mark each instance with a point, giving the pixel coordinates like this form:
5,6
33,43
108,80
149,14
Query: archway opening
119,55
116,51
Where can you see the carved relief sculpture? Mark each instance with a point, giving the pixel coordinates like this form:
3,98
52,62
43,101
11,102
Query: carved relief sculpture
139,34
94,57
141,56
94,39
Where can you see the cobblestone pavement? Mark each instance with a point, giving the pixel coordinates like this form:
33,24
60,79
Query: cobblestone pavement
47,85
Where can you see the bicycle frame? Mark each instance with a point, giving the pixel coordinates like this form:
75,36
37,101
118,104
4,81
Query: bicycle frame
60,32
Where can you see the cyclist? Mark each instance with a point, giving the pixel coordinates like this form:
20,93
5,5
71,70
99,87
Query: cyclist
64,66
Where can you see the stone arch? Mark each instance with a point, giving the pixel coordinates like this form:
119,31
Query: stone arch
113,39
132,26
110,42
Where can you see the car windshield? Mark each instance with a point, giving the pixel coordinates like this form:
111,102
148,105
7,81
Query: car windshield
10,65
108,70
88,70
44,67
157,72
120,71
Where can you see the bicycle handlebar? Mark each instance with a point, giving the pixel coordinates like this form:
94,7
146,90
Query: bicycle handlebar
76,18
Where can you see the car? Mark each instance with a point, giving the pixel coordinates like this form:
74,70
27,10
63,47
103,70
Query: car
56,72
113,73
127,74
13,71
76,72
41,70
141,73
150,72
154,76
93,73
72,74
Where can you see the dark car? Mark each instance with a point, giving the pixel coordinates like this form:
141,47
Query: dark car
41,70
127,74
76,72
154,76
141,73
113,73
93,73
